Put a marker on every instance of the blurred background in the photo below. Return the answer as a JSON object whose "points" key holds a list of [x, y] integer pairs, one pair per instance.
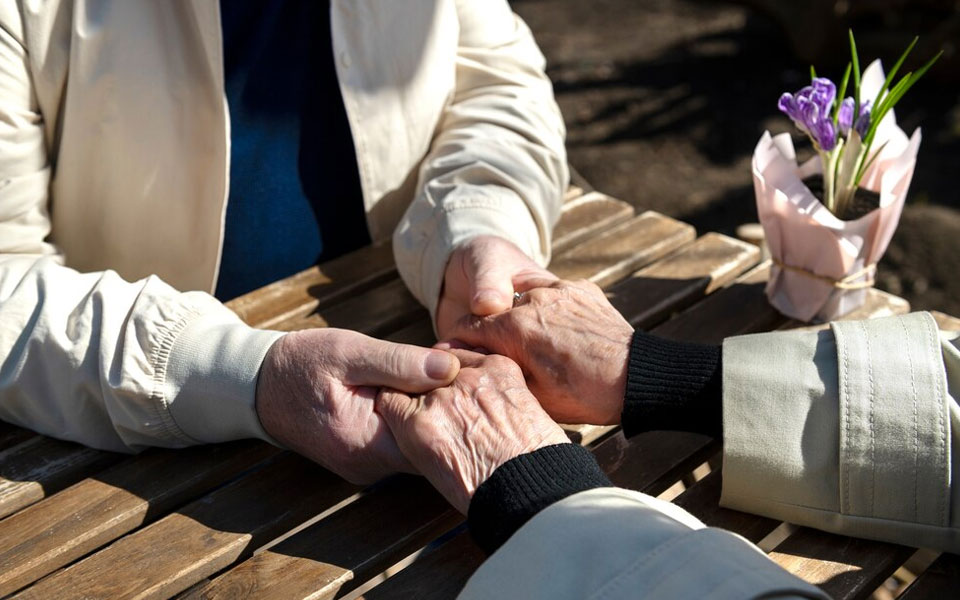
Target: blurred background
{"points": [[665, 100]]}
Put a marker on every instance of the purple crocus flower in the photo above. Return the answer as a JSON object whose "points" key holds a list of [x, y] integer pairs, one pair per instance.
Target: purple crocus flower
{"points": [[845, 118], [810, 110]]}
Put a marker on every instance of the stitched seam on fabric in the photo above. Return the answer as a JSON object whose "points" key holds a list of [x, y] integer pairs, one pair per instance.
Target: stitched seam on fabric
{"points": [[871, 397], [941, 505], [845, 504], [159, 359], [619, 580], [916, 425]]}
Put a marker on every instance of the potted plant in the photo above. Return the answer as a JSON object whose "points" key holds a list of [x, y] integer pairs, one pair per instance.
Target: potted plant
{"points": [[828, 221]]}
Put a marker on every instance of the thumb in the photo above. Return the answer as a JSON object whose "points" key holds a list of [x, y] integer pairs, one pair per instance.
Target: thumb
{"points": [[491, 288], [373, 362]]}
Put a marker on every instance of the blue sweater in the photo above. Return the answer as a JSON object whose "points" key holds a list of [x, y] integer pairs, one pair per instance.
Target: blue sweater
{"points": [[295, 195]]}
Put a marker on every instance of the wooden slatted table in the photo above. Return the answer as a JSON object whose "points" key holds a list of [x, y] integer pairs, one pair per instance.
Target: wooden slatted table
{"points": [[246, 520]]}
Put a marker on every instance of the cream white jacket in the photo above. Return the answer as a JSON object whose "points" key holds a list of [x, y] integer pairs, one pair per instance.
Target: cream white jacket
{"points": [[114, 150]]}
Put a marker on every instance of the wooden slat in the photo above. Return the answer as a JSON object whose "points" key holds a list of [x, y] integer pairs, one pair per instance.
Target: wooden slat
{"points": [[53, 532], [11, 435], [585, 216], [343, 550], [702, 500], [204, 537], [739, 308], [621, 250], [425, 580], [673, 284], [940, 580], [316, 287], [846, 568], [40, 466], [375, 312]]}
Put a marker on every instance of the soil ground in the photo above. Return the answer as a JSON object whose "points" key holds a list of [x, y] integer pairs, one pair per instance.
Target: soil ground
{"points": [[665, 100]]}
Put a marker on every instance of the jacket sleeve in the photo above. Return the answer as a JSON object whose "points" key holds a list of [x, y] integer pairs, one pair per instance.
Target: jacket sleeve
{"points": [[89, 357], [615, 543], [497, 165], [852, 430]]}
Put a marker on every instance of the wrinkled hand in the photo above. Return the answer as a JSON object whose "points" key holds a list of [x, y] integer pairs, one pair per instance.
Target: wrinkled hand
{"points": [[458, 435], [571, 343], [316, 392], [481, 277]]}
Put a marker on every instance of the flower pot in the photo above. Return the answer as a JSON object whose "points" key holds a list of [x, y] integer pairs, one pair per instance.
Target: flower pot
{"points": [[822, 265]]}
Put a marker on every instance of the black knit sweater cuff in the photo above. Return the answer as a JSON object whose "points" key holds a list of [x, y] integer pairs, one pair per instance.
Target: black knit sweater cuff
{"points": [[673, 386], [525, 485]]}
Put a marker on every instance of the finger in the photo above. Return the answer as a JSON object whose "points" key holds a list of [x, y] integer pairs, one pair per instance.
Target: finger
{"points": [[453, 344], [527, 282], [491, 287], [468, 358], [394, 408], [401, 366], [487, 332]]}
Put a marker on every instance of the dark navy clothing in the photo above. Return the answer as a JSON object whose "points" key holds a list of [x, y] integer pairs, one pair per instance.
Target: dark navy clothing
{"points": [[295, 196]]}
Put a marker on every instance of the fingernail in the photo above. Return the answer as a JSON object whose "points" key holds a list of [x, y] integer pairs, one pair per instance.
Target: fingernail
{"points": [[487, 297], [438, 365]]}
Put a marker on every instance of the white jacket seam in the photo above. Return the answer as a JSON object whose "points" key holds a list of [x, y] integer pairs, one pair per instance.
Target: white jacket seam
{"points": [[160, 358]]}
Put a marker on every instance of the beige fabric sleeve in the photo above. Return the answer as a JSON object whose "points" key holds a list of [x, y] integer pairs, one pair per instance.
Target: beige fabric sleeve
{"points": [[90, 357], [613, 543], [498, 163], [851, 430]]}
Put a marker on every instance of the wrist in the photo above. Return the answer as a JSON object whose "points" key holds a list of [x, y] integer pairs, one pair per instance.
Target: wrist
{"points": [[525, 485], [211, 379]]}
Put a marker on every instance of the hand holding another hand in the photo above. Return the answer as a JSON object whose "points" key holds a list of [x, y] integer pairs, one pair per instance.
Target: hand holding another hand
{"points": [[316, 392], [481, 277], [457, 436], [571, 344]]}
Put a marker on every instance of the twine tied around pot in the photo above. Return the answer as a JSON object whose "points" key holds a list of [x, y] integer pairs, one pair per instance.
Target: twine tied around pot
{"points": [[847, 283]]}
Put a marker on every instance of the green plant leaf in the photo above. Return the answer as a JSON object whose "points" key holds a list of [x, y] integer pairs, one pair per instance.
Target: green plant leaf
{"points": [[856, 72], [893, 71], [813, 73]]}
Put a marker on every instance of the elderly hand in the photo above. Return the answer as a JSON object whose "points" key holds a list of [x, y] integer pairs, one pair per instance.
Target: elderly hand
{"points": [[481, 277], [457, 436], [316, 392], [571, 343]]}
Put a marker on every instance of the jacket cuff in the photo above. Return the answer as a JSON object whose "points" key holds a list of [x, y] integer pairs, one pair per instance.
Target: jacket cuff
{"points": [[210, 383], [423, 249], [672, 386], [525, 485]]}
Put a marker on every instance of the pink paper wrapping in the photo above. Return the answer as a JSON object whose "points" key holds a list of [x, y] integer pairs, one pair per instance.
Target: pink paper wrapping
{"points": [[803, 233]]}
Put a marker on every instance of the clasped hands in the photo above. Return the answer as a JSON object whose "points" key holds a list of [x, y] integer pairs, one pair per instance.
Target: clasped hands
{"points": [[365, 408]]}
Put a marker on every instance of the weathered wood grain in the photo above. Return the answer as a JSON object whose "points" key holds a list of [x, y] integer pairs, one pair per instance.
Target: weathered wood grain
{"points": [[621, 250], [40, 466], [940, 580], [375, 312], [204, 537], [702, 500], [343, 550], [316, 287], [585, 216], [844, 567], [61, 528], [674, 283]]}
